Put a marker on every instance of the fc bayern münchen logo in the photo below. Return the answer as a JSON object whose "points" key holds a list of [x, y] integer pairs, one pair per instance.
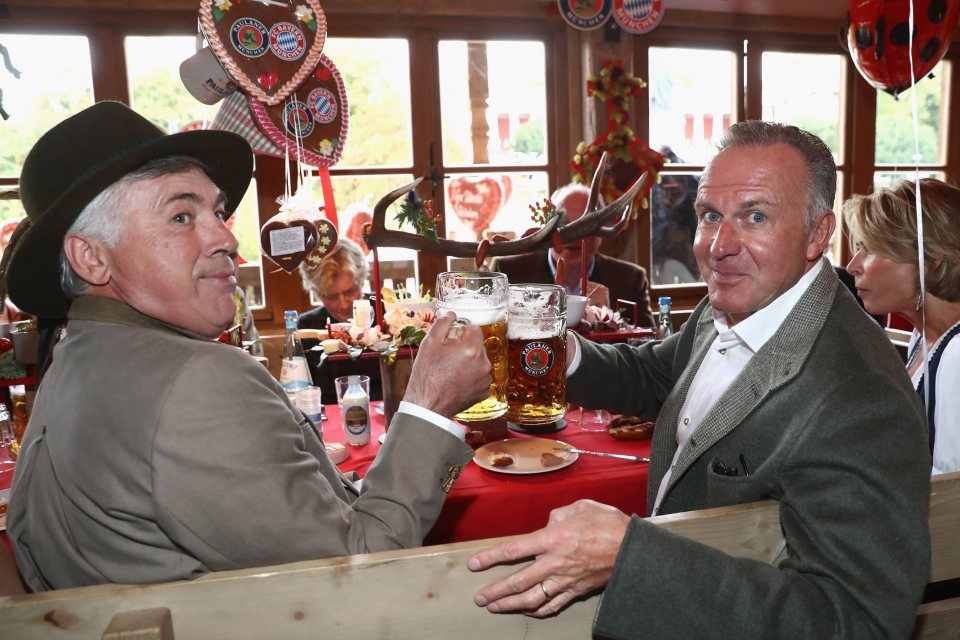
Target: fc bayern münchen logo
{"points": [[585, 14], [323, 105], [638, 16], [536, 358], [297, 118], [249, 37], [287, 41]]}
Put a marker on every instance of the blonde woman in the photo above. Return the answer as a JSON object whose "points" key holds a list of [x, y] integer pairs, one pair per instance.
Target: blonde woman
{"points": [[337, 280], [885, 268]]}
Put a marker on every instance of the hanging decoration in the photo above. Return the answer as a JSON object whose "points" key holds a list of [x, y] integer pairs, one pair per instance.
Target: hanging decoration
{"points": [[585, 15], [879, 39], [630, 156], [234, 115], [476, 200], [268, 48], [297, 232], [638, 16]]}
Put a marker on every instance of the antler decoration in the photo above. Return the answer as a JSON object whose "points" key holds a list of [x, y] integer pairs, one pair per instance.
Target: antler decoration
{"points": [[591, 223]]}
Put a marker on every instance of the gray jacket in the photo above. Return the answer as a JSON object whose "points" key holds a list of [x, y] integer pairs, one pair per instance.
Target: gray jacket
{"points": [[826, 419], [154, 455]]}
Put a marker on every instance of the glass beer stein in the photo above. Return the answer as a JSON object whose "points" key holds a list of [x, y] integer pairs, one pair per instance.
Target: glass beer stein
{"points": [[481, 298], [537, 354]]}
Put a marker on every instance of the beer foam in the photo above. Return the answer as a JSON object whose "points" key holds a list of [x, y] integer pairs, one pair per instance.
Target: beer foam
{"points": [[474, 309], [530, 329]]}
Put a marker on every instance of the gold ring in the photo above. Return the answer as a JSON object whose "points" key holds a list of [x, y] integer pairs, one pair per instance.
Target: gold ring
{"points": [[543, 588]]}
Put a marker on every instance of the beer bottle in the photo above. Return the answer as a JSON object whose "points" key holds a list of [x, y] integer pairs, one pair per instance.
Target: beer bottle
{"points": [[665, 326], [294, 371]]}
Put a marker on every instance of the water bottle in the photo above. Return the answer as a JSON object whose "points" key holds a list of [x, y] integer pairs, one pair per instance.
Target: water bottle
{"points": [[294, 371], [665, 326]]}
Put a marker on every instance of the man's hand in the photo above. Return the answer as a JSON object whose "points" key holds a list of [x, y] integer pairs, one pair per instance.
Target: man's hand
{"points": [[598, 295], [574, 554], [451, 372]]}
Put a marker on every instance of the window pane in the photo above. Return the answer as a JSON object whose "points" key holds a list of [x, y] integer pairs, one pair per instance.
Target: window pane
{"points": [[889, 178], [836, 242], [673, 226], [483, 205], [356, 196], [691, 100], [376, 74], [804, 89], [156, 91], [895, 143], [493, 102], [245, 224], [55, 82]]}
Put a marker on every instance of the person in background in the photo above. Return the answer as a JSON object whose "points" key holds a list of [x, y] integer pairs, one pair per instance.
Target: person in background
{"points": [[609, 279], [885, 267], [155, 453], [338, 280], [777, 387]]}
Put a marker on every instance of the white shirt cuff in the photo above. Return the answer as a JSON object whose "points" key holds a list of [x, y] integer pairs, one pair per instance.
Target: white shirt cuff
{"points": [[434, 418], [573, 361]]}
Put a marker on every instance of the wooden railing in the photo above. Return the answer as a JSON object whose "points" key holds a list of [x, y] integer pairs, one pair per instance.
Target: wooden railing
{"points": [[418, 593]]}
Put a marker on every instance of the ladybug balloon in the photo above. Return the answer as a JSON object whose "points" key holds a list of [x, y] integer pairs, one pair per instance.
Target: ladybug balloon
{"points": [[878, 37]]}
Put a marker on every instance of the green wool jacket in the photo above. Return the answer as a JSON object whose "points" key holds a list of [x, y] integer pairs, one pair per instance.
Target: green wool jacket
{"points": [[826, 418]]}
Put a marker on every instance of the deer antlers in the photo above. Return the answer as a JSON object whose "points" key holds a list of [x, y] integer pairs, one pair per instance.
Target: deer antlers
{"points": [[591, 223]]}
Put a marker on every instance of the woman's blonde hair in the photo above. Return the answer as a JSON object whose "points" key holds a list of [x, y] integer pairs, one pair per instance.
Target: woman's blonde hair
{"points": [[885, 222], [348, 258]]}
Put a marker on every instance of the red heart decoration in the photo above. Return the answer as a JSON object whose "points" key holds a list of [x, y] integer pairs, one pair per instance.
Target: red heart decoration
{"points": [[312, 124], [476, 200], [323, 73], [268, 48], [268, 80], [287, 241]]}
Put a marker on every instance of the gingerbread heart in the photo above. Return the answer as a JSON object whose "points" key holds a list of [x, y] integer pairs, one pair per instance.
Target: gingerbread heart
{"points": [[476, 200], [268, 48], [287, 241], [312, 124], [327, 237]]}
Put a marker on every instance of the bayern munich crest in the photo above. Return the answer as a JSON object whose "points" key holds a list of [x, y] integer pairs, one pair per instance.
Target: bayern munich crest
{"points": [[536, 358], [297, 118], [287, 41], [323, 105], [638, 16], [586, 14], [249, 37]]}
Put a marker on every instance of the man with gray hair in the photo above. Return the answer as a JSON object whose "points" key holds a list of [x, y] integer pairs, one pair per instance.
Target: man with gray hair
{"points": [[777, 387], [155, 453]]}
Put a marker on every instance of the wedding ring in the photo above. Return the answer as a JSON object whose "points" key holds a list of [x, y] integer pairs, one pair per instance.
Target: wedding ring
{"points": [[543, 588], [455, 332]]}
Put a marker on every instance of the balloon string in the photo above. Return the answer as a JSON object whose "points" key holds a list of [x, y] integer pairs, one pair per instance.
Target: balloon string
{"points": [[919, 210]]}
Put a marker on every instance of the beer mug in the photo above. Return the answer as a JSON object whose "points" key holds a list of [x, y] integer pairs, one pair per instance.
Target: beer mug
{"points": [[537, 354], [480, 297]]}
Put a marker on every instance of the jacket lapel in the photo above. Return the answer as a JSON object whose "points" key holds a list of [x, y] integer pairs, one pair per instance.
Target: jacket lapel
{"points": [[777, 362]]}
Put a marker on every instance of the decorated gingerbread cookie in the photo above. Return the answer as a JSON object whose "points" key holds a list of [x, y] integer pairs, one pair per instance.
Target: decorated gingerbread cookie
{"points": [[268, 48]]}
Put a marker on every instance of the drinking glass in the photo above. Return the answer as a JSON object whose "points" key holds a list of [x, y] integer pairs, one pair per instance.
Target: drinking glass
{"points": [[480, 297]]}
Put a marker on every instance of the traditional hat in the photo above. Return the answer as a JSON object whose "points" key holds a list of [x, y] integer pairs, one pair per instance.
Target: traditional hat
{"points": [[80, 157]]}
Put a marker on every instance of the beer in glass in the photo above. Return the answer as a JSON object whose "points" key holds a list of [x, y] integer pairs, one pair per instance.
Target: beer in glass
{"points": [[537, 354], [480, 297]]}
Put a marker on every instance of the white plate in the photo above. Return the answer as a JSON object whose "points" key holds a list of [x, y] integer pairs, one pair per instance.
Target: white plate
{"points": [[526, 454]]}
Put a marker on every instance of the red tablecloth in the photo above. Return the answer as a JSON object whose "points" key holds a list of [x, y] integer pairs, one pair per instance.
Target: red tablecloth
{"points": [[485, 504]]}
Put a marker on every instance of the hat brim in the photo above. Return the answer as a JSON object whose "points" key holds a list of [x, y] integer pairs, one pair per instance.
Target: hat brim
{"points": [[33, 276]]}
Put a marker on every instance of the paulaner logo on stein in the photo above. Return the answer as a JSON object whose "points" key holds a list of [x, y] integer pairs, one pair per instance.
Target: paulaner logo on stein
{"points": [[205, 78]]}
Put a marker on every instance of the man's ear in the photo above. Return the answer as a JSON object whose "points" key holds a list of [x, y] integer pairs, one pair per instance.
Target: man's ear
{"points": [[88, 259], [820, 236]]}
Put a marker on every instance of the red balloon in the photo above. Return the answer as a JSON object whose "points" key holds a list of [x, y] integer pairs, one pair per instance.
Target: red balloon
{"points": [[878, 33]]}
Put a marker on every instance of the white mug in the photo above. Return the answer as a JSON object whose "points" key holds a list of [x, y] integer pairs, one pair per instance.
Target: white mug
{"points": [[205, 78]]}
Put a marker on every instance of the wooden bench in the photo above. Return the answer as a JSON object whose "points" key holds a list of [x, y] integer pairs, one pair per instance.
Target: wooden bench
{"points": [[418, 593]]}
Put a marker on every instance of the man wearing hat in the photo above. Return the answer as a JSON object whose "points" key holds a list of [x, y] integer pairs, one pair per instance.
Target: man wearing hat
{"points": [[153, 452]]}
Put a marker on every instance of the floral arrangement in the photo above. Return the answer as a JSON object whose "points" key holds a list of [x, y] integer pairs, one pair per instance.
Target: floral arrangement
{"points": [[602, 319], [419, 214], [628, 156], [541, 213]]}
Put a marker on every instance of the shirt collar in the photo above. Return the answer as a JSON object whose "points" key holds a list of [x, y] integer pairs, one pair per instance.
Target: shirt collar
{"points": [[757, 328], [553, 270]]}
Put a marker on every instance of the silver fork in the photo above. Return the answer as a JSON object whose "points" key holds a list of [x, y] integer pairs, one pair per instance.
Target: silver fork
{"points": [[621, 456]]}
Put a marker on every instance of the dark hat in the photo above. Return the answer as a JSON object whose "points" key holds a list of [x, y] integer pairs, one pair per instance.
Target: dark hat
{"points": [[80, 157]]}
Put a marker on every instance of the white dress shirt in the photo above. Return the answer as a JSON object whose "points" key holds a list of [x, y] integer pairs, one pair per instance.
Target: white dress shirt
{"points": [[728, 356]]}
